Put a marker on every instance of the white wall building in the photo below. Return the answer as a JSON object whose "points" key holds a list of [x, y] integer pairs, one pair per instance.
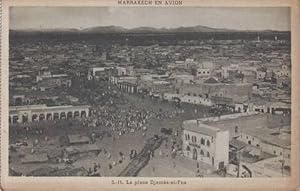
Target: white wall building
{"points": [[187, 99], [205, 143], [203, 72]]}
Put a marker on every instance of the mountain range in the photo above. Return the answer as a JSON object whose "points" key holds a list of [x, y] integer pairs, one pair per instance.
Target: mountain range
{"points": [[118, 29]]}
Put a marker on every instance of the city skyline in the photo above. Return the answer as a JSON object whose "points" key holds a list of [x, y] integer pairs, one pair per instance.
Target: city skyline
{"points": [[22, 18]]}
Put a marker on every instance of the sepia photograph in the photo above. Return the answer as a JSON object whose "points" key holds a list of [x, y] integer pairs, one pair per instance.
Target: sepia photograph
{"points": [[180, 92]]}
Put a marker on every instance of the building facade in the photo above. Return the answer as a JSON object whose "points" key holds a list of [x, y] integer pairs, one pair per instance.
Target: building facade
{"points": [[205, 143], [30, 113]]}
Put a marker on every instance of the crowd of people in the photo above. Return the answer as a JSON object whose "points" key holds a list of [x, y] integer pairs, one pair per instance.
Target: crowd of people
{"points": [[116, 115], [119, 119]]}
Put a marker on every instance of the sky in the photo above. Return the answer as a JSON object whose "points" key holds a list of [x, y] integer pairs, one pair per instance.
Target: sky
{"points": [[158, 17]]}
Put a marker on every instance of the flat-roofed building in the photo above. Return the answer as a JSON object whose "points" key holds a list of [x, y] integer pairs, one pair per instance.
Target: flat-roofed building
{"points": [[213, 89], [265, 132], [205, 143], [29, 113]]}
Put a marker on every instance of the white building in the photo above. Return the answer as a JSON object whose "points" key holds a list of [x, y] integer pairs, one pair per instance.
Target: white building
{"points": [[203, 72], [187, 99], [205, 143], [98, 72], [270, 141]]}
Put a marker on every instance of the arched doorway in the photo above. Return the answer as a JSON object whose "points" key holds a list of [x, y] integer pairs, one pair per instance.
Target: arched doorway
{"points": [[69, 115], [55, 116], [49, 116], [25, 117], [83, 114], [239, 110], [76, 114], [34, 117], [195, 154], [42, 116], [62, 115]]}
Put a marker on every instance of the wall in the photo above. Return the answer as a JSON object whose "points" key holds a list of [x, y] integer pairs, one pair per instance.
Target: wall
{"points": [[198, 146], [188, 99], [253, 140], [222, 148], [239, 92]]}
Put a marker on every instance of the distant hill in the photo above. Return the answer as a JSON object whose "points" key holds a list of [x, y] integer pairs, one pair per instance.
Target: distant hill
{"points": [[118, 29]]}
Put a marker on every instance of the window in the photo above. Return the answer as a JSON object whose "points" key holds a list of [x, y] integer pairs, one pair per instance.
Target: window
{"points": [[202, 141], [195, 94], [289, 156], [208, 155], [247, 137], [252, 138], [201, 152], [188, 148], [195, 139], [188, 94], [280, 153], [274, 152], [188, 136], [208, 143], [236, 129], [212, 139]]}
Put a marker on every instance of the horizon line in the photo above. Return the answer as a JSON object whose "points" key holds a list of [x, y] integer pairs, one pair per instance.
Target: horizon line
{"points": [[158, 28]]}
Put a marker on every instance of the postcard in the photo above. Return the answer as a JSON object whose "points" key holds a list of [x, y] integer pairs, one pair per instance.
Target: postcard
{"points": [[150, 94]]}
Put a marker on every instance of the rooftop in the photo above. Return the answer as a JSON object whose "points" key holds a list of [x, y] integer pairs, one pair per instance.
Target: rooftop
{"points": [[270, 136], [43, 108], [262, 126], [199, 127]]}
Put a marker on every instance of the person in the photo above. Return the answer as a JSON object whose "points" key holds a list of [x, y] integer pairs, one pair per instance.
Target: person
{"points": [[198, 173], [90, 171], [160, 153], [176, 133], [95, 167]]}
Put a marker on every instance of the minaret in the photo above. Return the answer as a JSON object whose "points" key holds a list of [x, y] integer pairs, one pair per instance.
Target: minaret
{"points": [[258, 38]]}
